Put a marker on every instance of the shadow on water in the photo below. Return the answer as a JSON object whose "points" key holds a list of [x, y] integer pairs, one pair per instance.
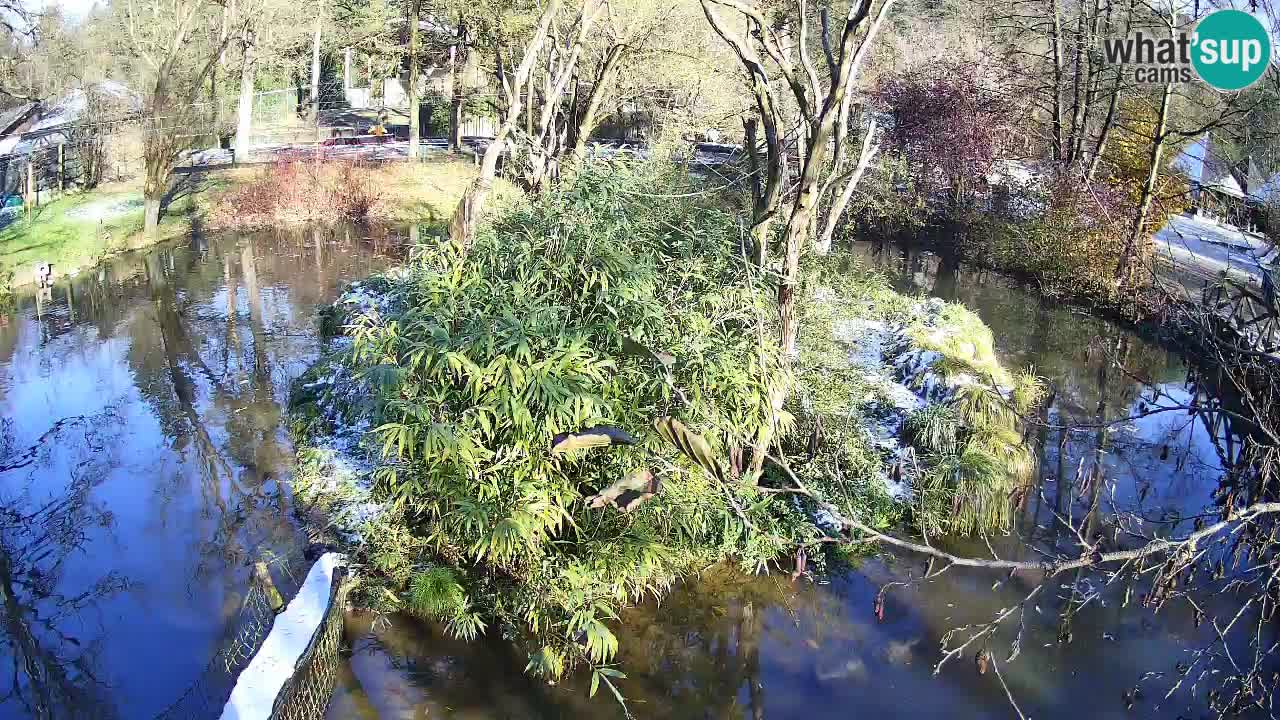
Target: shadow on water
{"points": [[735, 646], [144, 459]]}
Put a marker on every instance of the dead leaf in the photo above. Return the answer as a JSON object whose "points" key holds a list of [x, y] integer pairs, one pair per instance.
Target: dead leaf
{"points": [[692, 445], [636, 349], [628, 493], [598, 436]]}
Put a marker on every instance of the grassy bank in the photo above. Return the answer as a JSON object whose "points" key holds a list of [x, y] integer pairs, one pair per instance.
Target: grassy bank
{"points": [[77, 231], [529, 435]]}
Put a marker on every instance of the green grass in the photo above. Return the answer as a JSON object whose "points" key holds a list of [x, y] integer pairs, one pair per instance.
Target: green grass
{"points": [[80, 229]]}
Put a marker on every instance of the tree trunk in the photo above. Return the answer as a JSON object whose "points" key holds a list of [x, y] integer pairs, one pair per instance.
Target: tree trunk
{"points": [[765, 196], [1077, 104], [587, 123], [455, 102], [462, 228], [1137, 239], [244, 119], [315, 71], [1108, 122], [414, 120], [1056, 45], [1104, 132], [869, 148], [151, 214]]}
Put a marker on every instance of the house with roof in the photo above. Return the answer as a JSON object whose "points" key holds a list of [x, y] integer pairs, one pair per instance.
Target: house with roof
{"points": [[1233, 192], [34, 131]]}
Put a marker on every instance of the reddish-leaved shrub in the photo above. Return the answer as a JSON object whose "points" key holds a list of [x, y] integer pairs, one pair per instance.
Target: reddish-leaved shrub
{"points": [[299, 191]]}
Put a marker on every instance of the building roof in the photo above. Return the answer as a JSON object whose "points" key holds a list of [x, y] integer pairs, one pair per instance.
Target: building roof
{"points": [[1205, 165], [1269, 191], [53, 117], [10, 118]]}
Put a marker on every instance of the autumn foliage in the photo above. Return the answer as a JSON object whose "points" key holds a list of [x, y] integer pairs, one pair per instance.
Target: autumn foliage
{"points": [[297, 192], [947, 123]]}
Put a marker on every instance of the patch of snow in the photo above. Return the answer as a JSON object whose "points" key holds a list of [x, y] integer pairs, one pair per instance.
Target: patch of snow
{"points": [[254, 695], [343, 399], [903, 377], [1203, 246], [106, 209]]}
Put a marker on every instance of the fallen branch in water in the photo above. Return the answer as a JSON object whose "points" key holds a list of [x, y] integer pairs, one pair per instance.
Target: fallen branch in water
{"points": [[1089, 556]]}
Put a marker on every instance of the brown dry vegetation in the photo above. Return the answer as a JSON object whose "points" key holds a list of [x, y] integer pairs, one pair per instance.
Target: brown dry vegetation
{"points": [[303, 191]]}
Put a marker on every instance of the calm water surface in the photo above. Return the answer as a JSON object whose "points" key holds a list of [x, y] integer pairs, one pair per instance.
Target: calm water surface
{"points": [[144, 465], [146, 461], [734, 646]]}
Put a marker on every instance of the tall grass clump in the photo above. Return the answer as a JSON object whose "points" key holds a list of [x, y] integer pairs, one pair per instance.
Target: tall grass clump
{"points": [[975, 462], [517, 430]]}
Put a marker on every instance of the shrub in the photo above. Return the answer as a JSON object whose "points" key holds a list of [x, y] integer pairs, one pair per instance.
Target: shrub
{"points": [[948, 124], [298, 191], [597, 308], [1069, 245]]}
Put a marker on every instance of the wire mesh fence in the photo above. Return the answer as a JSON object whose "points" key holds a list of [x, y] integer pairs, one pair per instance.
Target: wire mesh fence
{"points": [[306, 695]]}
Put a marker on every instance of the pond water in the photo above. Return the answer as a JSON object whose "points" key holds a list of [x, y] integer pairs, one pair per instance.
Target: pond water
{"points": [[730, 645], [144, 465], [145, 460]]}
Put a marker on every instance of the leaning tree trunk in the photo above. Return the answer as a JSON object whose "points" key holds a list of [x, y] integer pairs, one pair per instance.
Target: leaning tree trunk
{"points": [[1129, 258], [462, 229], [244, 119], [586, 125], [869, 148]]}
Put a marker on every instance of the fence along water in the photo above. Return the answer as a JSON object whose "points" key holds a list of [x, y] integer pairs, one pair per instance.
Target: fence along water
{"points": [[297, 685]]}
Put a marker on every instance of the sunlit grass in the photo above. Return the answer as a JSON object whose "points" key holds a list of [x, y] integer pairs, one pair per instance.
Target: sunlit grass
{"points": [[79, 229]]}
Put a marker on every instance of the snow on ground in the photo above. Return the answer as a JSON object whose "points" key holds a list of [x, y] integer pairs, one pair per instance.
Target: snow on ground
{"points": [[345, 472], [254, 695], [1202, 247], [106, 208], [892, 364]]}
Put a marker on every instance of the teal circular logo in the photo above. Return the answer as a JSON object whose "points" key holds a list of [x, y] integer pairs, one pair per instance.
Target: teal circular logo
{"points": [[1231, 49]]}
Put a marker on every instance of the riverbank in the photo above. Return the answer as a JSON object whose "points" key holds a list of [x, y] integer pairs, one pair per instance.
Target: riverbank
{"points": [[288, 193], [81, 229]]}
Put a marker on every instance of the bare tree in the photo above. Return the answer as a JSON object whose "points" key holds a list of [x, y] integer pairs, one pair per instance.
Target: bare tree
{"points": [[178, 45], [462, 228], [824, 101]]}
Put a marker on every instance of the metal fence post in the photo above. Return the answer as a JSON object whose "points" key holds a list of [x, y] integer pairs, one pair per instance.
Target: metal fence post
{"points": [[62, 167]]}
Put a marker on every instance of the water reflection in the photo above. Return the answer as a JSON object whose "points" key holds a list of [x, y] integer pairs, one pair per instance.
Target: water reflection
{"points": [[732, 646], [143, 460]]}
